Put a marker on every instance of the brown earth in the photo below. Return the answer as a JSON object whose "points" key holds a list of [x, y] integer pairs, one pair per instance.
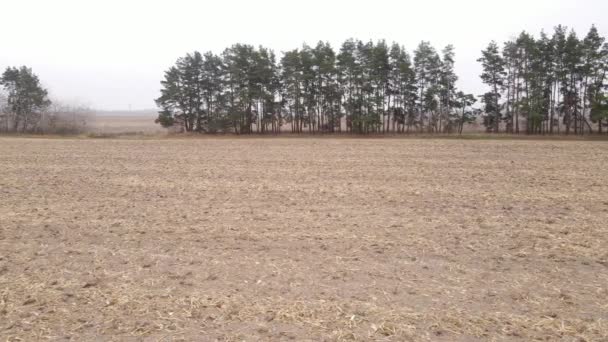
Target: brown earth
{"points": [[303, 239]]}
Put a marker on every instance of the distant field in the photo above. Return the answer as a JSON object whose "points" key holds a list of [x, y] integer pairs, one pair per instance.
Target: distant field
{"points": [[125, 124], [143, 122], [303, 239]]}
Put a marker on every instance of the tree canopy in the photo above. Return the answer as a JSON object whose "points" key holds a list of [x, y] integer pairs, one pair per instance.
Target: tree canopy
{"points": [[547, 84], [537, 85], [364, 87], [26, 99]]}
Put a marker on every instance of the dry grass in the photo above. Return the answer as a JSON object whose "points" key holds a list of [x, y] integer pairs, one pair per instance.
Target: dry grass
{"points": [[303, 239], [112, 125]]}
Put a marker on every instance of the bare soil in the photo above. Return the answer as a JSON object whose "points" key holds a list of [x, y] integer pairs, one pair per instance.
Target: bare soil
{"points": [[303, 239]]}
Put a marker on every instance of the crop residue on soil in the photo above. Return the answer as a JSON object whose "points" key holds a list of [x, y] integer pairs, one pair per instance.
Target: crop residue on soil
{"points": [[304, 239]]}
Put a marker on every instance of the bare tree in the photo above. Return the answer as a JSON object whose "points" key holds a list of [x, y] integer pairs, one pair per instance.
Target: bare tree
{"points": [[61, 118]]}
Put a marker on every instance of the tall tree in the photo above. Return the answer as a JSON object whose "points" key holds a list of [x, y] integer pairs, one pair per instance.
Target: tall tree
{"points": [[598, 91], [241, 87], [291, 75], [512, 60], [447, 92], [26, 98], [426, 66], [493, 75], [401, 89], [181, 97], [592, 72], [466, 113], [212, 87], [349, 76], [570, 90]]}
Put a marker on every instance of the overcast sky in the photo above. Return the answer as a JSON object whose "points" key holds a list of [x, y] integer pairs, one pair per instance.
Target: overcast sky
{"points": [[111, 54]]}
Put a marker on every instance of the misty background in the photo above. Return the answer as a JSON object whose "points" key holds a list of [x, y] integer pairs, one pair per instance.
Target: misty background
{"points": [[111, 55]]}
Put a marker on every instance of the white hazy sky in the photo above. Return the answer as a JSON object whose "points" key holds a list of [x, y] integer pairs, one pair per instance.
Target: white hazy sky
{"points": [[111, 54]]}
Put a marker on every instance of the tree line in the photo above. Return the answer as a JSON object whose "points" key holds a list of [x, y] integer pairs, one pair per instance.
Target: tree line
{"points": [[25, 106], [365, 87], [550, 84], [537, 85]]}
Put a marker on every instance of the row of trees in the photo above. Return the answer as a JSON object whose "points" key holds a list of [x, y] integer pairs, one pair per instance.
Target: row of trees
{"points": [[549, 84], [545, 84], [26, 107], [365, 87]]}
